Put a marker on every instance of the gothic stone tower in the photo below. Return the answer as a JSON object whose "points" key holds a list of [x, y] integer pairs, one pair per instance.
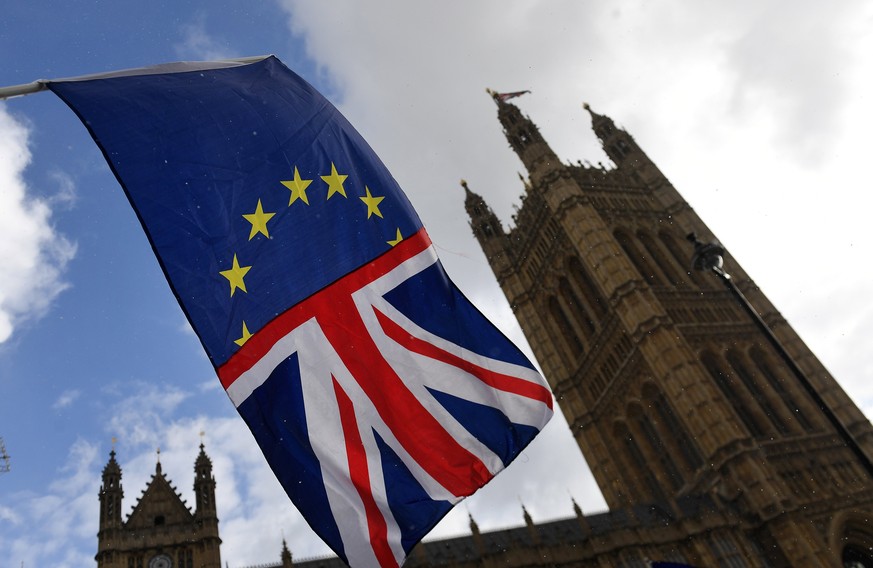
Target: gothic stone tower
{"points": [[671, 390], [160, 532]]}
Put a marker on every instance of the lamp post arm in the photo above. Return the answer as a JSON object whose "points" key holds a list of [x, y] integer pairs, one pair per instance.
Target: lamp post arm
{"points": [[705, 257]]}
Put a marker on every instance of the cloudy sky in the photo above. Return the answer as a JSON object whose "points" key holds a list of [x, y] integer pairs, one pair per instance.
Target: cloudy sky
{"points": [[758, 112]]}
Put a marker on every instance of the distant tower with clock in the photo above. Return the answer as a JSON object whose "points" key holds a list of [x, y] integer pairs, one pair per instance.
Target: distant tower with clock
{"points": [[161, 531]]}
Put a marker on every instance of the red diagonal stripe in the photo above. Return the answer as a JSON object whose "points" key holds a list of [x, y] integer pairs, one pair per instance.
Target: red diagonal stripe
{"points": [[264, 339], [418, 431], [499, 381], [359, 472]]}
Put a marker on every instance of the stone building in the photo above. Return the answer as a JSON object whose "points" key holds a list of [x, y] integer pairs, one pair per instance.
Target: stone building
{"points": [[161, 531], [725, 426], [716, 436]]}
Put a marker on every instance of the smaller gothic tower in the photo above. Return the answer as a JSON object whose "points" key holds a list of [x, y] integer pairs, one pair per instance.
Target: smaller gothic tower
{"points": [[287, 560], [111, 494], [204, 492], [204, 487], [524, 137], [487, 228]]}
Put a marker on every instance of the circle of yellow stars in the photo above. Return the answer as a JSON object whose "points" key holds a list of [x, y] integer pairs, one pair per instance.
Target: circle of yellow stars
{"points": [[298, 187]]}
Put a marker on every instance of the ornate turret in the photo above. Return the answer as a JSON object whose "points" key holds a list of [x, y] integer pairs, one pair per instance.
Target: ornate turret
{"points": [[204, 486], [524, 137], [624, 151], [111, 494], [486, 227]]}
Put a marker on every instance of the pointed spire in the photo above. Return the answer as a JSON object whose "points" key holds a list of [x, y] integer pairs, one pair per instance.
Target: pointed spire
{"points": [[525, 139], [474, 527], [487, 229], [111, 494], [111, 467], [527, 518], [476, 534], [525, 181], [602, 125], [583, 521], [531, 527], [621, 147], [595, 116], [203, 462], [158, 470], [467, 191], [484, 222], [204, 485], [287, 560]]}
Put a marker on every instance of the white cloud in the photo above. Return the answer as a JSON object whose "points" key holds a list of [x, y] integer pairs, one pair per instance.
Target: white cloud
{"points": [[34, 254], [64, 514], [9, 515], [67, 398], [65, 196], [198, 44], [138, 418]]}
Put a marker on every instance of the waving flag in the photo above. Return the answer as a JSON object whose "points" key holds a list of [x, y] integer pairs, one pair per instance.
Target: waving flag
{"points": [[379, 395], [506, 96]]}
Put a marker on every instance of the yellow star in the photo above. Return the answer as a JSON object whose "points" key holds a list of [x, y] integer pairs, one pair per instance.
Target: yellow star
{"points": [[372, 204], [235, 276], [298, 188], [397, 240], [258, 219], [245, 336], [334, 182]]}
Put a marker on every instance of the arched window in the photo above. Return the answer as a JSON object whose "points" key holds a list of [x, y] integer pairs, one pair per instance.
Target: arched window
{"points": [[639, 463], [797, 405], [642, 263], [855, 538], [758, 391], [671, 429], [682, 256], [738, 398], [855, 557], [660, 260], [590, 294], [576, 307], [658, 455], [565, 331]]}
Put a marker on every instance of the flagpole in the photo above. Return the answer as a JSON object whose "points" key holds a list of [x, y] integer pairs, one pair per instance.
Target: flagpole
{"points": [[42, 84], [21, 90]]}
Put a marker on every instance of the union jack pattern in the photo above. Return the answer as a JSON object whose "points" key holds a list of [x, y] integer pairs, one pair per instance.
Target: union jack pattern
{"points": [[372, 380], [378, 394]]}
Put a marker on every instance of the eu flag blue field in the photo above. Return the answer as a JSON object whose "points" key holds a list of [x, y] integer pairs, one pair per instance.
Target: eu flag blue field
{"points": [[379, 395]]}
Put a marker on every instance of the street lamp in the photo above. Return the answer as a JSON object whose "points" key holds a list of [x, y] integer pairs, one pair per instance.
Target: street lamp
{"points": [[710, 256]]}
